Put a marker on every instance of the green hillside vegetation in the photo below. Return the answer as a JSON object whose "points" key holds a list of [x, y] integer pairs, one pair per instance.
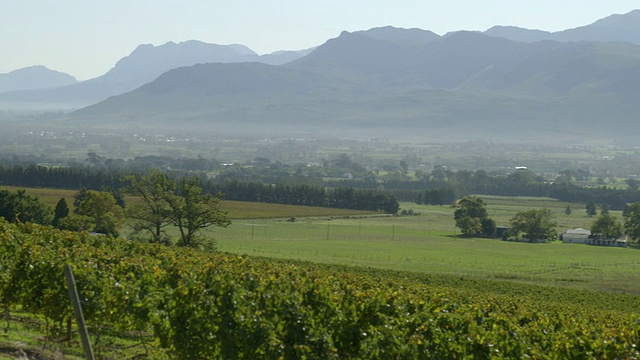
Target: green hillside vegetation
{"points": [[192, 305]]}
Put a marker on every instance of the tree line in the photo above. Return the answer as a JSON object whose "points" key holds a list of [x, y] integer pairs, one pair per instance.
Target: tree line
{"points": [[73, 178], [443, 187], [247, 190], [436, 188], [307, 195]]}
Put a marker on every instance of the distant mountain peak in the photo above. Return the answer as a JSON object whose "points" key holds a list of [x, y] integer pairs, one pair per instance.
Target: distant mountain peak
{"points": [[32, 67], [464, 33], [35, 69], [402, 36], [32, 78], [144, 64], [147, 61]]}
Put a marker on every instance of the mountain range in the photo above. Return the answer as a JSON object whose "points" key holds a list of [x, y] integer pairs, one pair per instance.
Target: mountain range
{"points": [[143, 65], [504, 84]]}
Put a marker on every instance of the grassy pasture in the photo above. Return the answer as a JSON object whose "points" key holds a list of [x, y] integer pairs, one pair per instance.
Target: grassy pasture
{"points": [[430, 243], [252, 210], [502, 209], [427, 242], [388, 244]]}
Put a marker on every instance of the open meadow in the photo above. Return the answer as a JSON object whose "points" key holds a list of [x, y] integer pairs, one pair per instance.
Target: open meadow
{"points": [[429, 242], [426, 242]]}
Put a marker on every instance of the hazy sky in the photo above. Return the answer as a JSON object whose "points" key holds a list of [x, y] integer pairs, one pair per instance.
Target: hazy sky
{"points": [[85, 38]]}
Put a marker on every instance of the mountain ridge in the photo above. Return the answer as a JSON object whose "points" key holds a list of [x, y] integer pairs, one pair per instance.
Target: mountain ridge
{"points": [[145, 63], [34, 77], [613, 28], [466, 82], [402, 82]]}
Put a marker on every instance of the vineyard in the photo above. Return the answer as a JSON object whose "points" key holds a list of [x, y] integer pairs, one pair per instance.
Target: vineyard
{"points": [[192, 305]]}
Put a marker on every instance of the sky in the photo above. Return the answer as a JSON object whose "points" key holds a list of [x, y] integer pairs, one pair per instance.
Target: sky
{"points": [[85, 38]]}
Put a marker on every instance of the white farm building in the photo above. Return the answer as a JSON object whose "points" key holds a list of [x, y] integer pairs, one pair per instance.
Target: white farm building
{"points": [[583, 236]]}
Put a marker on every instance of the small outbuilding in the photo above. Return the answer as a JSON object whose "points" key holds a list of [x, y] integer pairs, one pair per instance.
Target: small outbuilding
{"points": [[621, 242]]}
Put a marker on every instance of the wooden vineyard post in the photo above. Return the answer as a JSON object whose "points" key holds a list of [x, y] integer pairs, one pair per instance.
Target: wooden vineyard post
{"points": [[77, 310]]}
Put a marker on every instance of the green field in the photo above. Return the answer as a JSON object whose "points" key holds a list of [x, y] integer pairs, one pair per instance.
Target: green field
{"points": [[444, 284], [427, 242]]}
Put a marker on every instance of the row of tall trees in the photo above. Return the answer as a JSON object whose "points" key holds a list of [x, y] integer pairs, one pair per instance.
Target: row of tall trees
{"points": [[61, 177], [297, 193], [439, 188], [443, 187], [303, 194]]}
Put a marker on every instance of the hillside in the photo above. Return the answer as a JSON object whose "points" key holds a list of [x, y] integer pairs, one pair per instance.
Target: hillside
{"points": [[394, 83], [34, 77]]}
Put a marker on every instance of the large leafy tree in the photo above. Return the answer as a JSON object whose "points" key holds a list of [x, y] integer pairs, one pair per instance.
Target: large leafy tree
{"points": [[471, 216], [151, 214], [606, 227], [469, 225], [192, 211], [102, 207], [632, 221], [535, 224], [18, 206]]}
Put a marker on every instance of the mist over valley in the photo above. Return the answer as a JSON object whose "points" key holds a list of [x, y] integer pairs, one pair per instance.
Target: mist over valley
{"points": [[506, 85]]}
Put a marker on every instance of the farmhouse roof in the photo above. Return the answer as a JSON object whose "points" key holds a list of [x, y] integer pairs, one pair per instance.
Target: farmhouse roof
{"points": [[578, 231]]}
